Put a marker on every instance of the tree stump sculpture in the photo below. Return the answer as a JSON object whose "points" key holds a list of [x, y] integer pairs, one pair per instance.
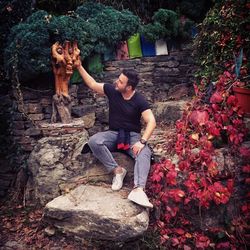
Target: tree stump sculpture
{"points": [[63, 60]]}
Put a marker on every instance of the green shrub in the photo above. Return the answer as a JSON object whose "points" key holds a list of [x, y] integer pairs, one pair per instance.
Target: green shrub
{"points": [[166, 25], [29, 43], [113, 25], [168, 19], [89, 10]]}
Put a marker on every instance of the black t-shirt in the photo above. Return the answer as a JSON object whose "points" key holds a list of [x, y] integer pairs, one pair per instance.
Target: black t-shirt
{"points": [[125, 114]]}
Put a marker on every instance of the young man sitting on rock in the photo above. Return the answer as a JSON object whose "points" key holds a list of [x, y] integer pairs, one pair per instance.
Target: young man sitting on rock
{"points": [[126, 107]]}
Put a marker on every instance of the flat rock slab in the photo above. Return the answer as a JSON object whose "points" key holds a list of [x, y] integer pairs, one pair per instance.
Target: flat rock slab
{"points": [[97, 212]]}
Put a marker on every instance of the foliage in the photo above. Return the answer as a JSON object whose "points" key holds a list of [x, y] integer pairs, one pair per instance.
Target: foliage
{"points": [[27, 40], [89, 10], [196, 182], [195, 10], [31, 40], [168, 19], [184, 31], [11, 12], [153, 31], [114, 26], [70, 28], [166, 25], [224, 31]]}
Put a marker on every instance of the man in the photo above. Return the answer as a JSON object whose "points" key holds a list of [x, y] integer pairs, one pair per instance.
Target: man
{"points": [[126, 107]]}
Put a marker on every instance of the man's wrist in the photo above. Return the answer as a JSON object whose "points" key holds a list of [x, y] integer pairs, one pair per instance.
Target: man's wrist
{"points": [[143, 141], [78, 67]]}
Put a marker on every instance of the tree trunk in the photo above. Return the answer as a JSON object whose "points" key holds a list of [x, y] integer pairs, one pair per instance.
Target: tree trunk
{"points": [[61, 105]]}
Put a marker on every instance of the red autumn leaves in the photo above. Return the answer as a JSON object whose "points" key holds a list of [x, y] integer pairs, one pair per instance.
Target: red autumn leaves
{"points": [[194, 180]]}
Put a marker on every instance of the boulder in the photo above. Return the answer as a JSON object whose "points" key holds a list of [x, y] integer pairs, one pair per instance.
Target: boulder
{"points": [[97, 212], [52, 162], [56, 164]]}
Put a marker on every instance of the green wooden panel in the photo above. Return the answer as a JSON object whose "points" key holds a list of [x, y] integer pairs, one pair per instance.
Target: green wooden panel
{"points": [[134, 46]]}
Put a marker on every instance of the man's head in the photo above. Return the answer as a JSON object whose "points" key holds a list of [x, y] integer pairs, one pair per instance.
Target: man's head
{"points": [[127, 80], [132, 76]]}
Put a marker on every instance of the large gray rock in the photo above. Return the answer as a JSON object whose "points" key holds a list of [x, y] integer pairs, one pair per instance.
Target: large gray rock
{"points": [[97, 212], [56, 164], [53, 161]]}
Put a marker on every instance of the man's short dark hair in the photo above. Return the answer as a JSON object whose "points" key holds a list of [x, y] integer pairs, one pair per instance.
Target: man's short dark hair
{"points": [[132, 76]]}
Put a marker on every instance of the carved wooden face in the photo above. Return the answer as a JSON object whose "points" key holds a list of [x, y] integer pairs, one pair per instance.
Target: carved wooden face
{"points": [[64, 56]]}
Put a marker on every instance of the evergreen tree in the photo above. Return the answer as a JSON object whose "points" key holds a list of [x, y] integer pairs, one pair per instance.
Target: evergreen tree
{"points": [[29, 42]]}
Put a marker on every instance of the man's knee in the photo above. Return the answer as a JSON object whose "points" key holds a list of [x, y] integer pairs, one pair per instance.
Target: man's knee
{"points": [[147, 151], [145, 154], [93, 141]]}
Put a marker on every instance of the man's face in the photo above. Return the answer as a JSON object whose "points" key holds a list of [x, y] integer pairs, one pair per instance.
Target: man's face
{"points": [[121, 83]]}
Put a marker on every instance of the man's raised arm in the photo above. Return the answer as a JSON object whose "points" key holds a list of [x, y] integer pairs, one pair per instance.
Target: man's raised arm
{"points": [[90, 81]]}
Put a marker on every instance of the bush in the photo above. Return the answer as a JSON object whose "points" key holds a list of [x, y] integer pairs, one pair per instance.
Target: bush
{"points": [[11, 12], [223, 33], [89, 10], [166, 25], [29, 43], [114, 26]]}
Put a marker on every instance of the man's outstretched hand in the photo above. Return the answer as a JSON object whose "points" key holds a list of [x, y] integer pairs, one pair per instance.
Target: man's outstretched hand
{"points": [[76, 56], [77, 63]]}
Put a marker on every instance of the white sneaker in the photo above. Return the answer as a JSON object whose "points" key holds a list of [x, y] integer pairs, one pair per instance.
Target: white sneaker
{"points": [[138, 196], [118, 180]]}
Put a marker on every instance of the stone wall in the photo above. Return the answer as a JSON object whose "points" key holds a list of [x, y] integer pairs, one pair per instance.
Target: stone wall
{"points": [[157, 74], [159, 77], [6, 173]]}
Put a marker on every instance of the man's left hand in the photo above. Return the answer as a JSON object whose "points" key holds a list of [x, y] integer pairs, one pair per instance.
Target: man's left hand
{"points": [[137, 147]]}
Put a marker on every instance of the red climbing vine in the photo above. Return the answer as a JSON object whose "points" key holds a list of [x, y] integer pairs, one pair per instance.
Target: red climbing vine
{"points": [[197, 182]]}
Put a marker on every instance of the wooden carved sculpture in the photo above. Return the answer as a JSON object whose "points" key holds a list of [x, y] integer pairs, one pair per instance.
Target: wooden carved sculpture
{"points": [[64, 58]]}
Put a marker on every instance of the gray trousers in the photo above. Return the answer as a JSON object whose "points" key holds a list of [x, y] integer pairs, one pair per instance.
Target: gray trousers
{"points": [[103, 143]]}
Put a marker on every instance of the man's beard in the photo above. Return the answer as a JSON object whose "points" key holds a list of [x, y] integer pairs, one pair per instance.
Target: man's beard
{"points": [[122, 91]]}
